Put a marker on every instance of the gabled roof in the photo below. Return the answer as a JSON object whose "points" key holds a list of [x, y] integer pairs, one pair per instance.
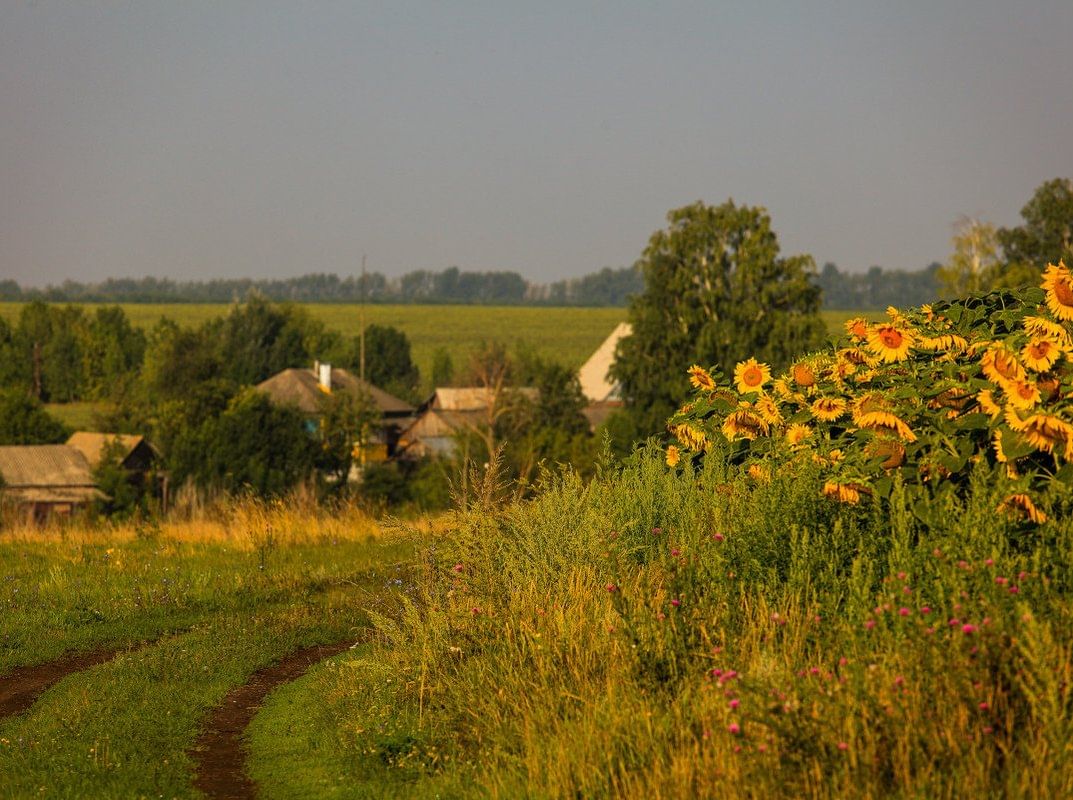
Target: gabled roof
{"points": [[471, 398], [94, 445], [53, 466], [301, 388], [595, 384]]}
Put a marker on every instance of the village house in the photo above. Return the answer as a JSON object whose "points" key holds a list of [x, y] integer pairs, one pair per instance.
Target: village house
{"points": [[603, 394], [42, 481], [451, 411], [305, 389]]}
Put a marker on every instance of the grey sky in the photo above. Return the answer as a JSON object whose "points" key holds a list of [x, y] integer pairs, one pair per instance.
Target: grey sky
{"points": [[226, 139]]}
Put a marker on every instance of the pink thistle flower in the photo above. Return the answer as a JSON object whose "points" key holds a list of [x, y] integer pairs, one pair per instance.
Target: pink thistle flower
{"points": [[906, 590], [937, 552], [734, 728], [737, 748], [716, 672], [657, 531], [901, 576], [1001, 581], [843, 746], [985, 621], [1022, 575], [990, 562], [963, 565], [458, 568], [899, 681], [761, 748], [984, 706], [903, 611], [954, 621], [735, 703], [843, 661], [925, 610], [475, 610], [929, 631], [1014, 590], [612, 588], [718, 537], [675, 552], [988, 730], [968, 629], [676, 602], [815, 671], [869, 624]]}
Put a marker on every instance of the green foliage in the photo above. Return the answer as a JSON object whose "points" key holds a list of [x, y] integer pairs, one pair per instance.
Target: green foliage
{"points": [[974, 266], [716, 290], [23, 420], [1045, 237], [443, 368], [252, 445], [344, 425]]}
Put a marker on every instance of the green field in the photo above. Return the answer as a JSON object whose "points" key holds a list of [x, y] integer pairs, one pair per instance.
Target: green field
{"points": [[567, 335]]}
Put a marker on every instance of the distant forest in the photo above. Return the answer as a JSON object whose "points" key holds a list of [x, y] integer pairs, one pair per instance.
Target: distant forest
{"points": [[876, 288]]}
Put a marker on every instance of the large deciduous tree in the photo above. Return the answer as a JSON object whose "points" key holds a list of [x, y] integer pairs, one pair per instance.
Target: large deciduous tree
{"points": [[716, 292], [1046, 237]]}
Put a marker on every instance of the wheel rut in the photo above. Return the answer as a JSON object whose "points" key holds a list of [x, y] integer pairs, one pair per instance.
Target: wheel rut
{"points": [[219, 754], [20, 688]]}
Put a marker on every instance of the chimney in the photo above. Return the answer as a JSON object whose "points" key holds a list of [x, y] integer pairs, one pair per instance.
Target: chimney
{"points": [[325, 375]]}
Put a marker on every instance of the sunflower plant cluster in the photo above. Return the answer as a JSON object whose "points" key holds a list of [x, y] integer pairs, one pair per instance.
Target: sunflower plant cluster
{"points": [[930, 394]]}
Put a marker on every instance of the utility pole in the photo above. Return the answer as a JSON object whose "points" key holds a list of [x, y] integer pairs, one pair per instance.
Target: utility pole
{"points": [[361, 356]]}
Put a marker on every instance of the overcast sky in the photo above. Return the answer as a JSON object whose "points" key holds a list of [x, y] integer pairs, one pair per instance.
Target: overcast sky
{"points": [[261, 139]]}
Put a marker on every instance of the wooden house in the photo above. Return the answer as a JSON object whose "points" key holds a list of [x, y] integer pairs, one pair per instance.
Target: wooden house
{"points": [[46, 480], [305, 389]]}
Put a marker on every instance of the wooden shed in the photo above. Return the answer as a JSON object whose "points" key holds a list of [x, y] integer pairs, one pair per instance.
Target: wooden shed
{"points": [[46, 480]]}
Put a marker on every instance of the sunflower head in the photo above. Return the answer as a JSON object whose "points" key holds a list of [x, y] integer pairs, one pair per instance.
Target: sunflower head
{"points": [[673, 456], [842, 492], [890, 342], [797, 433], [1021, 505], [803, 375], [857, 328], [1040, 354], [1000, 366], [1023, 394], [744, 423], [1058, 284], [701, 378], [828, 409], [751, 375]]}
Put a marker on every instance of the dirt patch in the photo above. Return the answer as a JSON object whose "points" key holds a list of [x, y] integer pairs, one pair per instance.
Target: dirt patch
{"points": [[21, 688], [220, 754]]}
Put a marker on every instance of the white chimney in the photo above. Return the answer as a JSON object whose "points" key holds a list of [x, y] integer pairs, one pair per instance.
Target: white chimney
{"points": [[325, 375]]}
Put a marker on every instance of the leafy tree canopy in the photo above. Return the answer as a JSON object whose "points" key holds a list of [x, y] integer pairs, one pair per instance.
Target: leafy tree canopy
{"points": [[23, 420], [716, 292], [1046, 237]]}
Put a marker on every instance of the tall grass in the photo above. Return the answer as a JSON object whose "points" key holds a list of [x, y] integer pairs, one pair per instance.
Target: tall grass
{"points": [[710, 635]]}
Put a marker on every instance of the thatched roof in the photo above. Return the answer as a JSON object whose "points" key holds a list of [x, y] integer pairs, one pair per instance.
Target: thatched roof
{"points": [[472, 398], [301, 388], [50, 473], [595, 384], [94, 445]]}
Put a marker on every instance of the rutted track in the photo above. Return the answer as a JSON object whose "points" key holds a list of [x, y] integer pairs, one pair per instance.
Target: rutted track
{"points": [[20, 688], [219, 755]]}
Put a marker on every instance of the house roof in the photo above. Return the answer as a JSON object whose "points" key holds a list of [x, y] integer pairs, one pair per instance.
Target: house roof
{"points": [[94, 445], [595, 384], [49, 466], [301, 388], [471, 398]]}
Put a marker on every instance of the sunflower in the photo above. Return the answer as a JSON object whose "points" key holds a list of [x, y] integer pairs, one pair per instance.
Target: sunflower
{"points": [[759, 473], [996, 441], [987, 404], [1021, 505], [691, 437], [828, 409], [1023, 394], [885, 422], [948, 342], [842, 492], [890, 450], [890, 342], [1058, 284], [1046, 329], [1041, 354], [803, 375], [768, 410], [797, 432], [1045, 432], [701, 378], [857, 328], [750, 376], [673, 456], [744, 424], [1002, 367]]}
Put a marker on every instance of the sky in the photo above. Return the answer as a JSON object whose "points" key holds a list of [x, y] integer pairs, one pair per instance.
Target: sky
{"points": [[265, 139]]}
